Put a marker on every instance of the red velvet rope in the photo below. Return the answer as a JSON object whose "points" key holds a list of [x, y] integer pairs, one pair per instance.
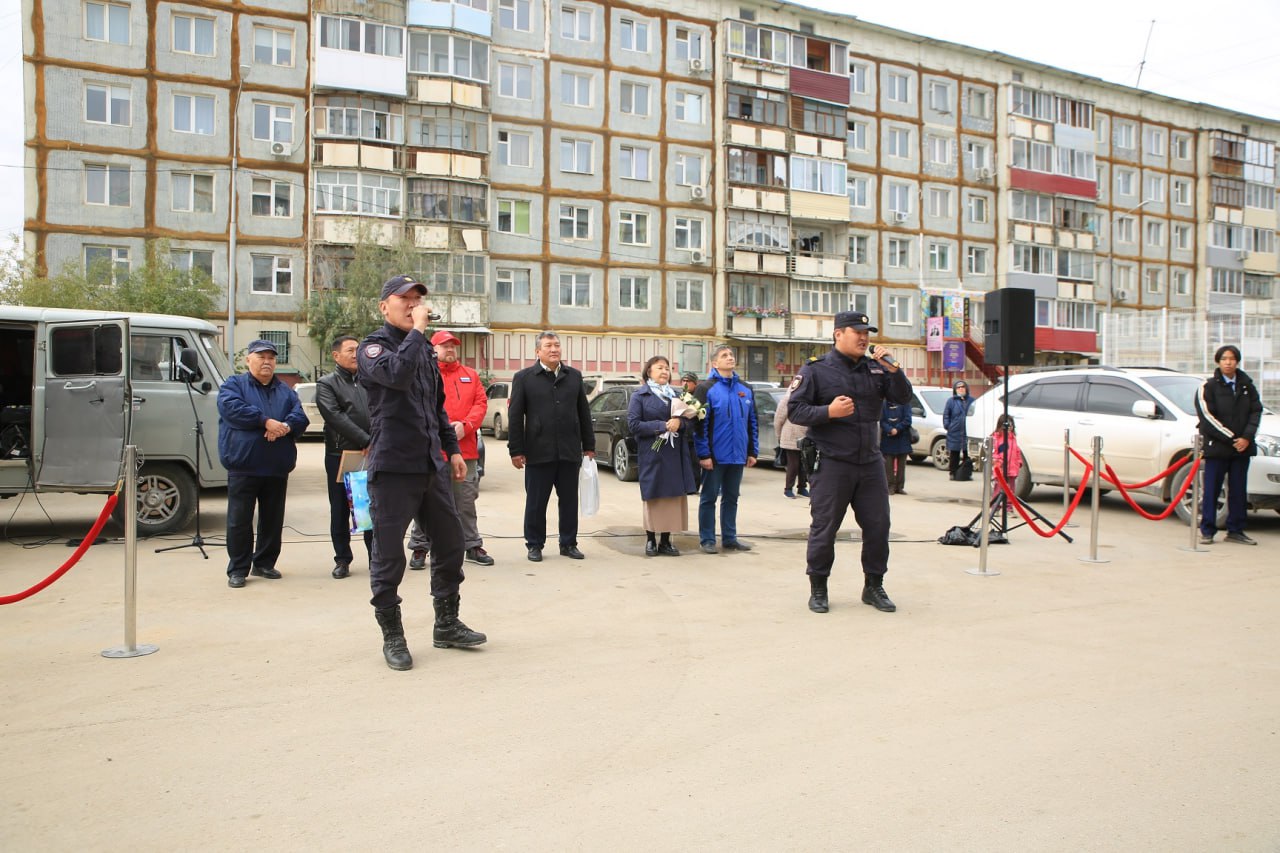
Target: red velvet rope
{"points": [[1013, 500], [74, 558], [1110, 476], [1186, 484]]}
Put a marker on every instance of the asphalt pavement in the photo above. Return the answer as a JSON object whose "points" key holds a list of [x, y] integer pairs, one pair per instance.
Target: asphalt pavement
{"points": [[634, 703]]}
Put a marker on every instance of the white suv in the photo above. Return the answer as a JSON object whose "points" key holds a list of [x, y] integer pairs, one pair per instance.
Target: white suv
{"points": [[1145, 416]]}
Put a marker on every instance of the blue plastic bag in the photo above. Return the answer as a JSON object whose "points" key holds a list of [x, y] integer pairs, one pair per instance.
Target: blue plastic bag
{"points": [[357, 483]]}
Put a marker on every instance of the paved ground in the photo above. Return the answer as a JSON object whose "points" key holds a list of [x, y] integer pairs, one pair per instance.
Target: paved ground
{"points": [[638, 704]]}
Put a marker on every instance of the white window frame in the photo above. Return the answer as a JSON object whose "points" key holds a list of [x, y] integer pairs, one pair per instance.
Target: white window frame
{"points": [[111, 97], [690, 295], [117, 255], [509, 208], [110, 27], [275, 35], [576, 89], [505, 150], [1181, 236], [816, 175], [633, 228], [690, 233], [979, 103], [578, 218], [580, 287], [1124, 135], [1155, 141], [859, 191], [690, 106], [859, 248], [978, 260], [635, 163], [899, 310], [688, 43], [515, 80], [633, 292], [856, 135], [274, 191], [940, 96], [899, 197], [1181, 191], [103, 183], [573, 152], [1180, 284], [1125, 229], [683, 169], [1153, 280], [192, 179], [940, 202], [576, 22], [1155, 233], [940, 150], [977, 208], [1181, 146], [192, 113], [1125, 179], [940, 257], [192, 25], [185, 260], [281, 273], [897, 87], [367, 34], [898, 142], [515, 15], [634, 98], [897, 253], [509, 285], [279, 121], [1154, 189], [633, 34], [977, 155]]}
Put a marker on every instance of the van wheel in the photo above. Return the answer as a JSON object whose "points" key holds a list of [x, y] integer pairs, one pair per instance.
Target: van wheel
{"points": [[166, 499], [940, 455], [498, 431]]}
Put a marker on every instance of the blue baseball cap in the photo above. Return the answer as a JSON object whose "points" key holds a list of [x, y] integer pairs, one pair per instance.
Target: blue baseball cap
{"points": [[260, 345]]}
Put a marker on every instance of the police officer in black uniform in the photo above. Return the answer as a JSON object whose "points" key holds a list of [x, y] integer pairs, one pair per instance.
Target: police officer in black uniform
{"points": [[409, 477], [839, 397]]}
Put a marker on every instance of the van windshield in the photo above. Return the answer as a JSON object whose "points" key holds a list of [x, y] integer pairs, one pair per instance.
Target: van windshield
{"points": [[214, 351]]}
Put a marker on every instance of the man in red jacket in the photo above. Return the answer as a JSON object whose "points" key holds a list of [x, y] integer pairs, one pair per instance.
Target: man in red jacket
{"points": [[465, 403]]}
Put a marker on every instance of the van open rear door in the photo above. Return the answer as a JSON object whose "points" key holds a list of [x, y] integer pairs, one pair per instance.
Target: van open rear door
{"points": [[87, 404]]}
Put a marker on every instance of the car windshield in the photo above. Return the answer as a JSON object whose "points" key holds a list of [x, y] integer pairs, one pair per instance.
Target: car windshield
{"points": [[1180, 389], [937, 400]]}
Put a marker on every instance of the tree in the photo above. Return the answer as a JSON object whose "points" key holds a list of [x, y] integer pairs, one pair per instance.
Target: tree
{"points": [[156, 287]]}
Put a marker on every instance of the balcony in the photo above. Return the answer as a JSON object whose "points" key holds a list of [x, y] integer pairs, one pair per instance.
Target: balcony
{"points": [[755, 326], [461, 312], [449, 16], [817, 266]]}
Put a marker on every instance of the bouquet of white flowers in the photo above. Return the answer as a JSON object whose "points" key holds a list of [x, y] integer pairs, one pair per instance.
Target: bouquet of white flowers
{"points": [[684, 406]]}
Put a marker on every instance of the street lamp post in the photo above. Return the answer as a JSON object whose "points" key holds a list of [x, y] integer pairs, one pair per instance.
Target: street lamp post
{"points": [[233, 218]]}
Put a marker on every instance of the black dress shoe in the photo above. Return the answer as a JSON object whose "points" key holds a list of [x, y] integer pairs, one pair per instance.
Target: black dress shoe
{"points": [[340, 571], [878, 598], [668, 550], [535, 555], [235, 581], [735, 545], [572, 552], [651, 549], [266, 572]]}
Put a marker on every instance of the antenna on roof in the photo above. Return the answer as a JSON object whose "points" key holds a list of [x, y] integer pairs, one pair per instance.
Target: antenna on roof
{"points": [[1138, 83]]}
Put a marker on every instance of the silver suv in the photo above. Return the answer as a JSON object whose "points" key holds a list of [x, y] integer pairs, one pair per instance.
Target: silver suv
{"points": [[1145, 416]]}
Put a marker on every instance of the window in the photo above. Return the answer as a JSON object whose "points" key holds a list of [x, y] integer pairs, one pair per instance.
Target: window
{"points": [[575, 89], [633, 228], [272, 46], [576, 155], [688, 44], [899, 252], [450, 55], [977, 260], [1155, 188], [190, 192], [575, 289], [900, 198], [899, 310], [1227, 281], [858, 249], [107, 104], [106, 22], [689, 107], [634, 35], [190, 260], [689, 233], [1155, 233], [758, 105], [273, 122], [897, 88], [1124, 136], [514, 15], [823, 119], [819, 176], [1030, 207], [690, 294], [1260, 240], [899, 142], [1226, 236], [104, 184], [575, 222], [1076, 315], [689, 169], [1260, 196], [633, 292], [939, 202], [1181, 146], [813, 297], [366, 118], [511, 286], [1181, 236], [1074, 113], [857, 136], [762, 168], [979, 103], [1155, 141], [977, 207], [1124, 181], [575, 23], [1181, 282], [977, 155], [113, 261], [634, 162], [515, 81], [1075, 264], [193, 35], [1076, 163], [380, 195], [513, 216], [635, 98], [858, 72], [1124, 229], [1121, 278], [939, 257], [1155, 280], [514, 149], [193, 114], [272, 198], [759, 43], [939, 150], [1033, 259], [361, 36], [357, 192], [1036, 156], [272, 274], [1181, 191], [456, 201], [859, 195], [1032, 103], [939, 96], [755, 230]]}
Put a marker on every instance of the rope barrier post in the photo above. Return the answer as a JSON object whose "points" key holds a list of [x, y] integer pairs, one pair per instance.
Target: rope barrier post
{"points": [[1196, 485], [985, 536], [1066, 477], [1095, 502], [130, 649]]}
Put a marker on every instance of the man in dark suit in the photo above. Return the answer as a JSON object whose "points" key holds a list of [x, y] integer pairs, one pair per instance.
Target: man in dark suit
{"points": [[550, 434]]}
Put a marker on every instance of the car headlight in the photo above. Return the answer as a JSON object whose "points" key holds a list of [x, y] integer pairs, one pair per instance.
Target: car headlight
{"points": [[1268, 445]]}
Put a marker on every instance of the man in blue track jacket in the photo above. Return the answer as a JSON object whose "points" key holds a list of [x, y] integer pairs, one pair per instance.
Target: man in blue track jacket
{"points": [[727, 444]]}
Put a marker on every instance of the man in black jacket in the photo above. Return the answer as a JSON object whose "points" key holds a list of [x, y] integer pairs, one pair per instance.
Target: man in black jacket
{"points": [[1230, 412], [345, 409], [550, 434]]}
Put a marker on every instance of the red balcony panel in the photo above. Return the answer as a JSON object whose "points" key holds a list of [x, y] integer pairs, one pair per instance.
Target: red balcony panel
{"points": [[1066, 340], [821, 86], [1025, 179]]}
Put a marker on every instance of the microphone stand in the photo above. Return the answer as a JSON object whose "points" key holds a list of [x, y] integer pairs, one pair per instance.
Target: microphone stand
{"points": [[191, 374]]}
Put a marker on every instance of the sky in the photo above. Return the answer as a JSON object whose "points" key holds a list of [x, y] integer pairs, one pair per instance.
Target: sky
{"points": [[1229, 59]]}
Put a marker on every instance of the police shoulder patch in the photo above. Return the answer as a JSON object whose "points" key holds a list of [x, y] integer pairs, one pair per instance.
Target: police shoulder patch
{"points": [[795, 383], [373, 350]]}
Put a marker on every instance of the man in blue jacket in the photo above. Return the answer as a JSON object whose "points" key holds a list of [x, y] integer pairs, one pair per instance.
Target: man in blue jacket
{"points": [[259, 419], [727, 444]]}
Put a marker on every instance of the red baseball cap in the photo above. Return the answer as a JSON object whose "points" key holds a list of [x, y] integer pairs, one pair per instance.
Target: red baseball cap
{"points": [[444, 336]]}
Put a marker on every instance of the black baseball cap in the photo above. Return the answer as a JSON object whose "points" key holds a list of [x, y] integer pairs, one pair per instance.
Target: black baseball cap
{"points": [[402, 284], [855, 320]]}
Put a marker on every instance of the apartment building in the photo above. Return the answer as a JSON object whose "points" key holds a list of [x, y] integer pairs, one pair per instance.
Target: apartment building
{"points": [[651, 178]]}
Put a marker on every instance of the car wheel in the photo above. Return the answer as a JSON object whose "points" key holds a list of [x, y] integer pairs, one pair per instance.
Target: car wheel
{"points": [[940, 455], [1022, 484], [623, 467], [498, 431], [1185, 509], [166, 499]]}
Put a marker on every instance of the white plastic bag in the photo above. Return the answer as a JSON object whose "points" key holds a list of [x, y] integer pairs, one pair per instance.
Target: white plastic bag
{"points": [[589, 488]]}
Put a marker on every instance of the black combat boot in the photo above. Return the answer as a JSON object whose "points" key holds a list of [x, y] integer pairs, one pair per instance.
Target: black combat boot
{"points": [[449, 630], [873, 593], [818, 593], [394, 648]]}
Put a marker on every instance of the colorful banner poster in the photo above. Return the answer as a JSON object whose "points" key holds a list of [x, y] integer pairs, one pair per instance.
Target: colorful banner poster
{"points": [[933, 334], [953, 355]]}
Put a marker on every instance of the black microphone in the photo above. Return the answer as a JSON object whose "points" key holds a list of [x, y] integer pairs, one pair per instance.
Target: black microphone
{"points": [[888, 359], [433, 316]]}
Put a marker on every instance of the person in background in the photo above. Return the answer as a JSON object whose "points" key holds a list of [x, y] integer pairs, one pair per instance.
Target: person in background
{"points": [[665, 476], [345, 409], [895, 444], [1004, 451], [465, 404], [953, 415], [259, 420], [728, 443], [1230, 413], [788, 435], [688, 382]]}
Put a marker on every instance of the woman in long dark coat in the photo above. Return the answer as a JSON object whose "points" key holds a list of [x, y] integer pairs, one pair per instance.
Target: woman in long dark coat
{"points": [[665, 476]]}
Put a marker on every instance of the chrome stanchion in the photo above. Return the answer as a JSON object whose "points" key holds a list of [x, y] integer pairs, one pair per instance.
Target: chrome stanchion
{"points": [[1094, 503], [985, 535], [130, 649], [1066, 476], [1196, 495]]}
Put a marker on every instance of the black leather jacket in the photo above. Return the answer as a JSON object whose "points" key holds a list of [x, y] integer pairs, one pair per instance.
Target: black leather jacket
{"points": [[345, 409]]}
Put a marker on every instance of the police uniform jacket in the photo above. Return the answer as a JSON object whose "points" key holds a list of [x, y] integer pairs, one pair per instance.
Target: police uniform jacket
{"points": [[550, 418], [244, 407], [854, 438], [409, 430], [345, 409], [1226, 415]]}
